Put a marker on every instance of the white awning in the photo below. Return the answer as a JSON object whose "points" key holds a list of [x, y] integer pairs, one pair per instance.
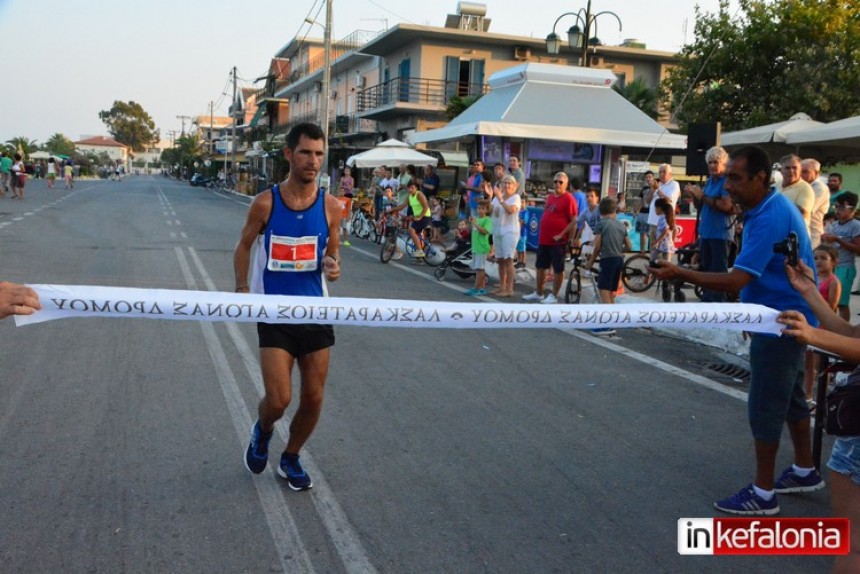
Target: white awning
{"points": [[778, 132], [561, 103], [845, 132]]}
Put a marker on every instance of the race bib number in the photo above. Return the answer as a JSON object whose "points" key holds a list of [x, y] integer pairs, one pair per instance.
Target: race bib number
{"points": [[293, 253]]}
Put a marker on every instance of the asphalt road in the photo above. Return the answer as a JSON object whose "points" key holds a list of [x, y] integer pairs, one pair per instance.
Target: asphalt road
{"points": [[121, 440]]}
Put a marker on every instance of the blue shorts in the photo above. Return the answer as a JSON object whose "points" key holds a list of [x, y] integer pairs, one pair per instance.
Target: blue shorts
{"points": [[610, 273], [845, 458], [846, 275], [776, 392]]}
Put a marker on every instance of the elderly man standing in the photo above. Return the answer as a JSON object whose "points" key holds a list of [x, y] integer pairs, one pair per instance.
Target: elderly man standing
{"points": [[667, 189], [715, 221], [558, 220], [795, 189], [810, 169]]}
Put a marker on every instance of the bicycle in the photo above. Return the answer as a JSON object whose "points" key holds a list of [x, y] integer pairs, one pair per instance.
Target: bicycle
{"points": [[573, 291], [397, 239], [362, 226]]}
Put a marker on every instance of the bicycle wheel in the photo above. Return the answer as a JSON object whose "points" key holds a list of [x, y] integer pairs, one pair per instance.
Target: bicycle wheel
{"points": [[373, 235], [433, 255], [356, 227], [635, 274], [573, 291], [439, 272], [389, 246]]}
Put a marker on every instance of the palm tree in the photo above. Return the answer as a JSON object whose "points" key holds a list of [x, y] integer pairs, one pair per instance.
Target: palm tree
{"points": [[60, 145], [23, 144], [640, 95]]}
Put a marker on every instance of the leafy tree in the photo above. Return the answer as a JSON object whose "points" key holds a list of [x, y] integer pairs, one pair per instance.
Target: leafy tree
{"points": [[60, 145], [26, 145], [186, 150], [458, 104], [768, 61], [130, 124], [640, 95]]}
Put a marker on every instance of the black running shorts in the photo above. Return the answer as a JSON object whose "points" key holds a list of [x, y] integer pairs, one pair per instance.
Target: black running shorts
{"points": [[297, 340]]}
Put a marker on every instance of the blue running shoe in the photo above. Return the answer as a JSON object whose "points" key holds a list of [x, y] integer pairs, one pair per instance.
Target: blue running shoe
{"points": [[789, 482], [291, 469], [748, 503], [470, 292], [257, 454]]}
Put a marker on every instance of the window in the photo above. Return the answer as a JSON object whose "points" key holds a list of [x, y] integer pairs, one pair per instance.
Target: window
{"points": [[463, 77]]}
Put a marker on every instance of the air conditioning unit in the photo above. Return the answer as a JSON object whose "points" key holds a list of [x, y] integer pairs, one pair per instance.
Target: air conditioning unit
{"points": [[258, 146], [522, 53], [360, 81]]}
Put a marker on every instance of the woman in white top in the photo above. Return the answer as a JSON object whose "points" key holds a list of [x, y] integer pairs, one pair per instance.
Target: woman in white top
{"points": [[52, 172], [19, 178], [505, 209]]}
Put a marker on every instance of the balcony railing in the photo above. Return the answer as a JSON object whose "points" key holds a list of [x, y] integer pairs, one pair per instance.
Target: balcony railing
{"points": [[352, 42], [416, 91]]}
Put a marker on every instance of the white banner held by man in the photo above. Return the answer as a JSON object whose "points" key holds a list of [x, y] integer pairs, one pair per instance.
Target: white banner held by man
{"points": [[66, 301]]}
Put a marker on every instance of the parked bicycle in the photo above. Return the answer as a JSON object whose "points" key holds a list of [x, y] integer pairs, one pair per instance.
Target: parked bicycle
{"points": [[362, 225], [581, 283]]}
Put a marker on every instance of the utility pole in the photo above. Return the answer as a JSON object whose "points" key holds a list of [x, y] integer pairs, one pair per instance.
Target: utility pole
{"points": [[233, 134], [211, 123], [183, 118], [324, 177], [172, 135]]}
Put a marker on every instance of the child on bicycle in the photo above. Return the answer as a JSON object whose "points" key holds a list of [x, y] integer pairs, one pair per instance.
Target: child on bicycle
{"points": [[482, 227], [610, 243]]}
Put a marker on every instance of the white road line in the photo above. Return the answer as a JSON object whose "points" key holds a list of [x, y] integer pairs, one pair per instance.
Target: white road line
{"points": [[183, 235], [169, 222], [342, 534], [173, 235], [636, 356], [289, 547], [177, 221]]}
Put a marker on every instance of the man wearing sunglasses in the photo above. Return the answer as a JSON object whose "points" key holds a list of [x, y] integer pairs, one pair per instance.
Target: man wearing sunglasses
{"points": [[556, 223]]}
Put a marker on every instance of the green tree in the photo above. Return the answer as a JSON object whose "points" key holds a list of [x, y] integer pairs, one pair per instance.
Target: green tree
{"points": [[769, 60], [186, 150], [130, 124], [59, 144], [640, 95], [458, 104], [26, 145]]}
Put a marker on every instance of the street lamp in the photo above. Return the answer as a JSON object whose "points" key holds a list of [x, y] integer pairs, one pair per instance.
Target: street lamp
{"points": [[579, 37]]}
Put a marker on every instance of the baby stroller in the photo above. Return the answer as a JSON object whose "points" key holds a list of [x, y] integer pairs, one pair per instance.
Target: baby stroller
{"points": [[458, 259]]}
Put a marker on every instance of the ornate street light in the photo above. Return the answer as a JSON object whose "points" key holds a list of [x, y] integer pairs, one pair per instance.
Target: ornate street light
{"points": [[579, 38]]}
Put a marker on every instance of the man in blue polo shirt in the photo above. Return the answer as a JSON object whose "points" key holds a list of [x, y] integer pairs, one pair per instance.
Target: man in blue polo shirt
{"points": [[776, 393], [715, 221]]}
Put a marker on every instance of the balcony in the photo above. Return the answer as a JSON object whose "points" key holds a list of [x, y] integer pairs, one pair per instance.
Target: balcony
{"points": [[352, 42], [409, 95]]}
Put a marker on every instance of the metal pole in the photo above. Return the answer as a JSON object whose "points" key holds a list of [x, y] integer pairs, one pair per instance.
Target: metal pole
{"points": [[233, 133], [585, 58], [326, 81], [211, 124]]}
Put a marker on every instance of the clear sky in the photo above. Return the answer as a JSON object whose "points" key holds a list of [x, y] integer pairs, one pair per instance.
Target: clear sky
{"points": [[66, 60]]}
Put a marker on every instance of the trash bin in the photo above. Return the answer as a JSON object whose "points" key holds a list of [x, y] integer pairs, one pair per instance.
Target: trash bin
{"points": [[533, 215]]}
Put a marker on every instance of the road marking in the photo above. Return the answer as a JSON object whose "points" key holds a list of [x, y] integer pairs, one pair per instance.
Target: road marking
{"points": [[290, 549], [636, 356], [342, 534]]}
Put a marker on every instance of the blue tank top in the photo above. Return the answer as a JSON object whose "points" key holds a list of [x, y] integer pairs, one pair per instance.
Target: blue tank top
{"points": [[295, 243]]}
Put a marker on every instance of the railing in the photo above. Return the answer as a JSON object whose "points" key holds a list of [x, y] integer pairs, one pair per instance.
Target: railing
{"points": [[352, 42], [338, 125], [417, 91]]}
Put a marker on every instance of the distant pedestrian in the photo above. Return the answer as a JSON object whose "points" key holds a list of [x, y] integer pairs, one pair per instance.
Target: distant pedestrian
{"points": [[5, 173], [52, 172], [19, 178], [68, 176], [611, 242], [482, 227], [646, 194], [844, 234]]}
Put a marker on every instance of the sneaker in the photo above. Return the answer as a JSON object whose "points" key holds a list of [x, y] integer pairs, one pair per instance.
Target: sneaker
{"points": [[605, 332], [519, 265], [347, 243], [789, 482], [419, 253], [550, 299], [257, 454], [291, 469], [397, 256], [533, 296], [481, 292], [470, 292], [747, 502]]}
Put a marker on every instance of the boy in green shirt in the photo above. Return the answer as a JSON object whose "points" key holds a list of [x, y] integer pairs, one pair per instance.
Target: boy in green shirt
{"points": [[482, 227]]}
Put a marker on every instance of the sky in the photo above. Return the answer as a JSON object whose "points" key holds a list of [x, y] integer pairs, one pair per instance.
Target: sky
{"points": [[67, 60]]}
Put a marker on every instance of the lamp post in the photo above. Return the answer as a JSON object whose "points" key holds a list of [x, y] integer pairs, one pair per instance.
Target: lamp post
{"points": [[579, 37]]}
